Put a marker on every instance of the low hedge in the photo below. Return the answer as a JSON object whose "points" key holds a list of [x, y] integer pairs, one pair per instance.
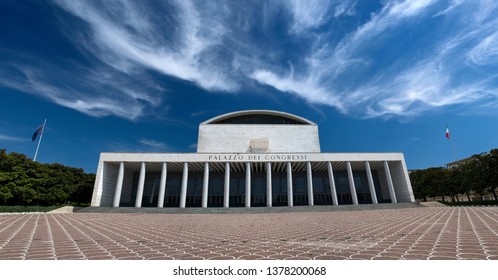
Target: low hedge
{"points": [[14, 209], [472, 203]]}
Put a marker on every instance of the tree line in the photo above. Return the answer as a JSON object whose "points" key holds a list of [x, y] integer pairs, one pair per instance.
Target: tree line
{"points": [[473, 177], [25, 182]]}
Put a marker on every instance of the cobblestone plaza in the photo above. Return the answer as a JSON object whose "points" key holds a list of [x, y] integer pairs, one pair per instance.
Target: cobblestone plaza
{"points": [[463, 233]]}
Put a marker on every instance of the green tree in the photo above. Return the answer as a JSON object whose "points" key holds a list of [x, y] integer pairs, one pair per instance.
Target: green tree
{"points": [[474, 175], [5, 194], [478, 174], [490, 164], [24, 182], [459, 180], [418, 179], [436, 180]]}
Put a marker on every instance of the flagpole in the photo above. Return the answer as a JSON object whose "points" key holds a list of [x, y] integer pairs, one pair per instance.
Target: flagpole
{"points": [[451, 143], [454, 151], [39, 140]]}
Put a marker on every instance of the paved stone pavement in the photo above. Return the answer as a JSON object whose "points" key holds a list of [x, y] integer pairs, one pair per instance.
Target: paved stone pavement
{"points": [[413, 233]]}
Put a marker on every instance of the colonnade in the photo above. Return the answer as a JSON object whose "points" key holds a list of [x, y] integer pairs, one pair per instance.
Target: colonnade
{"points": [[226, 187]]}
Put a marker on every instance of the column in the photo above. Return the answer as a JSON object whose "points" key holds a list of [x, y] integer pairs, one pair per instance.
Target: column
{"points": [[183, 191], [140, 189], [226, 193], [290, 196], [310, 183], [390, 185], [152, 190], [371, 183], [351, 184], [268, 185], [162, 186], [119, 186], [248, 184], [333, 191], [205, 185]]}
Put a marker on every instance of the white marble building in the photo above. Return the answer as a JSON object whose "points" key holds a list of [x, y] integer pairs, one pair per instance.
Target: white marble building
{"points": [[249, 159]]}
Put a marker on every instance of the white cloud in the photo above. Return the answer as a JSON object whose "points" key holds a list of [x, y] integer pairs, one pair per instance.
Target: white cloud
{"points": [[407, 8], [306, 89], [451, 7], [144, 45], [435, 76], [402, 57], [418, 89], [308, 14], [346, 8], [392, 14], [8, 138], [486, 52], [420, 86], [82, 91], [156, 145], [314, 14], [328, 61]]}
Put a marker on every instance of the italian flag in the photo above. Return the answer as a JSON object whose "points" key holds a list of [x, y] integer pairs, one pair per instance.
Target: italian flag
{"points": [[447, 133]]}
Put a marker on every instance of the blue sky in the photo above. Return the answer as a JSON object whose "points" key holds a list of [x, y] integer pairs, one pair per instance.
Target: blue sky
{"points": [[139, 76]]}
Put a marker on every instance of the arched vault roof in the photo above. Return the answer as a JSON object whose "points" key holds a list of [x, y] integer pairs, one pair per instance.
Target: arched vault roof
{"points": [[225, 118]]}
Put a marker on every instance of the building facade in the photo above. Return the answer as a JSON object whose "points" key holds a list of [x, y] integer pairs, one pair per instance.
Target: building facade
{"points": [[250, 159]]}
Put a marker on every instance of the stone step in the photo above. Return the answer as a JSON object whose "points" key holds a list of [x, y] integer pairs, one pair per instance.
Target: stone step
{"points": [[243, 210]]}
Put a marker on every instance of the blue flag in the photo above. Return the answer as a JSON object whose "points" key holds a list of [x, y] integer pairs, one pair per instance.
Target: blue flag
{"points": [[37, 132]]}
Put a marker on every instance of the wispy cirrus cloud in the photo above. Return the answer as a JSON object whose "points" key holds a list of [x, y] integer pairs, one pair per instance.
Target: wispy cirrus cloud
{"points": [[8, 138], [185, 49], [117, 45], [367, 60], [486, 51], [95, 92], [377, 70], [417, 89], [308, 14], [307, 89], [153, 144]]}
